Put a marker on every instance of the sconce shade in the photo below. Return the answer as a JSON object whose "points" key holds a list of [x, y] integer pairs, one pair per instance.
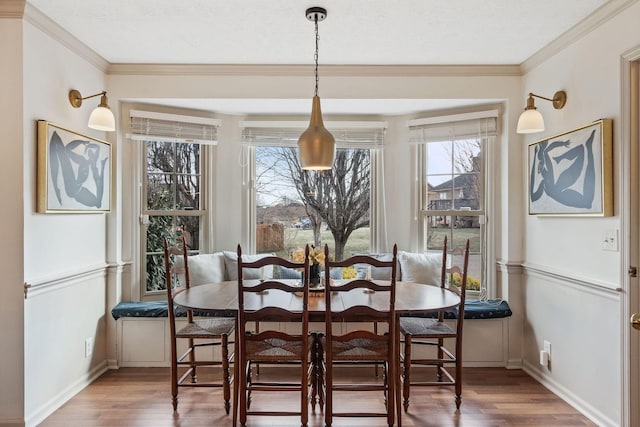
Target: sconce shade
{"points": [[316, 145], [530, 121], [102, 117]]}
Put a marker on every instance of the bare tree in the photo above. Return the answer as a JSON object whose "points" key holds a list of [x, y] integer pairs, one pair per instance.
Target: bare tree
{"points": [[466, 160], [340, 196]]}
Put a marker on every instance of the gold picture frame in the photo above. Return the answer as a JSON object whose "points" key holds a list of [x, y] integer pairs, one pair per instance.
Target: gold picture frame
{"points": [[572, 173], [74, 171]]}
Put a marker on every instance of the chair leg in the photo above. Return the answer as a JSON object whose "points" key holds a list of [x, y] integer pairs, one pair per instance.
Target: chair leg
{"points": [[440, 357], [458, 385], [320, 384], [304, 391], [406, 373], [328, 408], [314, 371], [236, 372], [192, 362], [226, 379], [242, 393]]}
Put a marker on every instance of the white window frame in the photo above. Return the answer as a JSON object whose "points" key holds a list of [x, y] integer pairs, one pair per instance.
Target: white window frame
{"points": [[486, 211], [377, 229], [207, 159]]}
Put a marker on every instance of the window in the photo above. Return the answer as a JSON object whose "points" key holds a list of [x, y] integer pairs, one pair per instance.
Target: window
{"points": [[174, 186], [453, 191], [292, 207], [172, 204]]}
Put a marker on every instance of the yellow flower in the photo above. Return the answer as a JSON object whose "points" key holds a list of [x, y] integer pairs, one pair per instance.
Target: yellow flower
{"points": [[316, 255], [298, 256]]}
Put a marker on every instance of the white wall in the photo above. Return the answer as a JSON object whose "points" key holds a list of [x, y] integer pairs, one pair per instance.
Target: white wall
{"points": [[64, 254], [570, 282]]}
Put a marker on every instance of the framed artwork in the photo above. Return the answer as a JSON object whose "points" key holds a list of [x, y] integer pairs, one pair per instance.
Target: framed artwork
{"points": [[571, 173], [74, 171]]}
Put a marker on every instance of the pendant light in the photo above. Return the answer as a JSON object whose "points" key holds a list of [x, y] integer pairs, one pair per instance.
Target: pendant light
{"points": [[316, 145]]}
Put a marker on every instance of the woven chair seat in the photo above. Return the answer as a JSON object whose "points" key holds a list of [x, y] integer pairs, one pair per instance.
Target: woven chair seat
{"points": [[273, 350], [358, 349], [420, 326], [202, 328]]}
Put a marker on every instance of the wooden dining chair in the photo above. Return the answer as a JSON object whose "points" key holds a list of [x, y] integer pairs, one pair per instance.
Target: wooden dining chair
{"points": [[355, 299], [267, 301], [197, 334], [442, 340]]}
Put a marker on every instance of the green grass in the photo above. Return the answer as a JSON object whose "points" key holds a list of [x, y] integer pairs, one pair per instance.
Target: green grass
{"points": [[295, 238]]}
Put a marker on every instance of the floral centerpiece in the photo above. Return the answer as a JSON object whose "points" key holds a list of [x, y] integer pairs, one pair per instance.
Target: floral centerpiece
{"points": [[316, 257]]}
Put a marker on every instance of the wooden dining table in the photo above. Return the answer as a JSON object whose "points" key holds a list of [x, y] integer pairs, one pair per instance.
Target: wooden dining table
{"points": [[411, 298]]}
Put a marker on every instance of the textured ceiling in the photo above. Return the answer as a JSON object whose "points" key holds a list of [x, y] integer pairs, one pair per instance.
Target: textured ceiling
{"points": [[356, 32]]}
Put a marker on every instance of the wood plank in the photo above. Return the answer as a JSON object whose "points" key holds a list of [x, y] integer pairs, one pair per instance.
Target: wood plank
{"points": [[491, 397]]}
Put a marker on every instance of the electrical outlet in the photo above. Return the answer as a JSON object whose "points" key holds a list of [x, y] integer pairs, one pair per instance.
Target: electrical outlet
{"points": [[88, 347], [547, 348]]}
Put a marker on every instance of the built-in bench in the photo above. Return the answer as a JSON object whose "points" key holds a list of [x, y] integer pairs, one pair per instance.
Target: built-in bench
{"points": [[142, 330]]}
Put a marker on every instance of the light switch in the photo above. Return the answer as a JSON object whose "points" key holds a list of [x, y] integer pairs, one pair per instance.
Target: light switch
{"points": [[610, 240]]}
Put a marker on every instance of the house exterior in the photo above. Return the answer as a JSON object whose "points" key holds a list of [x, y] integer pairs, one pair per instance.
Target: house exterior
{"points": [[63, 273]]}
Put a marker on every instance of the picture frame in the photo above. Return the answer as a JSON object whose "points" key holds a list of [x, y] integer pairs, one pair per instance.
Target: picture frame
{"points": [[571, 173], [74, 171]]}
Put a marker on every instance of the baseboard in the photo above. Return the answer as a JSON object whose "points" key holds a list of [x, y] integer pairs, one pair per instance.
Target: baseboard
{"points": [[48, 408], [112, 364], [514, 364], [558, 389]]}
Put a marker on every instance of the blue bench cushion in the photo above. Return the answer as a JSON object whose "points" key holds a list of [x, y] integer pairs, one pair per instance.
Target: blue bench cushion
{"points": [[490, 309], [475, 309], [154, 309]]}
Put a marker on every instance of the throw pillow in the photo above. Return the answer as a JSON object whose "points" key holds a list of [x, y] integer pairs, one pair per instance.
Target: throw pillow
{"points": [[203, 268], [231, 264], [377, 273], [421, 267]]}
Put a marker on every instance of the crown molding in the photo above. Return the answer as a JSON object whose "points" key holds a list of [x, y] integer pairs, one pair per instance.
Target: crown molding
{"points": [[591, 22], [12, 9], [47, 26], [305, 70]]}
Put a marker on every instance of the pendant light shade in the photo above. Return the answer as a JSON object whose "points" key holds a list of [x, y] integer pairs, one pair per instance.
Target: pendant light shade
{"points": [[316, 145]]}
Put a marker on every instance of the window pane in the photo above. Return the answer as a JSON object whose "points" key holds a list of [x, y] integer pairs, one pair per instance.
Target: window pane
{"points": [[173, 176], [170, 228], [457, 229], [296, 207], [453, 175]]}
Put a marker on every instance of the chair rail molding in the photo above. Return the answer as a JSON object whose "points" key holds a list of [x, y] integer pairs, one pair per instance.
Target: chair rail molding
{"points": [[61, 280], [611, 290]]}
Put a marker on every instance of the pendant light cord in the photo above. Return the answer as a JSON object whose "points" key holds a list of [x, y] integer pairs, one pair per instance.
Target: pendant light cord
{"points": [[315, 56]]}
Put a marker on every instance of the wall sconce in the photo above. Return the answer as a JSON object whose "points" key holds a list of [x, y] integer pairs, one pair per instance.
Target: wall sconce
{"points": [[316, 145], [102, 117], [531, 120]]}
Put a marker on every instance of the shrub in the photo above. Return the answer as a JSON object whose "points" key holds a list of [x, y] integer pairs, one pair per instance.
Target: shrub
{"points": [[473, 283]]}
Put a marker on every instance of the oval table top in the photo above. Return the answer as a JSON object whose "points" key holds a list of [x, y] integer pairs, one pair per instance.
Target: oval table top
{"points": [[223, 297]]}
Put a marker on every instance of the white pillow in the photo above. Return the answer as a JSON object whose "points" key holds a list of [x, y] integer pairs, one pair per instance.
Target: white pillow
{"points": [[420, 267], [203, 268], [231, 264]]}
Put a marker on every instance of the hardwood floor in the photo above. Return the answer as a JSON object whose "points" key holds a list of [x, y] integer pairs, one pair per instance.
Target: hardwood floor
{"points": [[491, 397]]}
